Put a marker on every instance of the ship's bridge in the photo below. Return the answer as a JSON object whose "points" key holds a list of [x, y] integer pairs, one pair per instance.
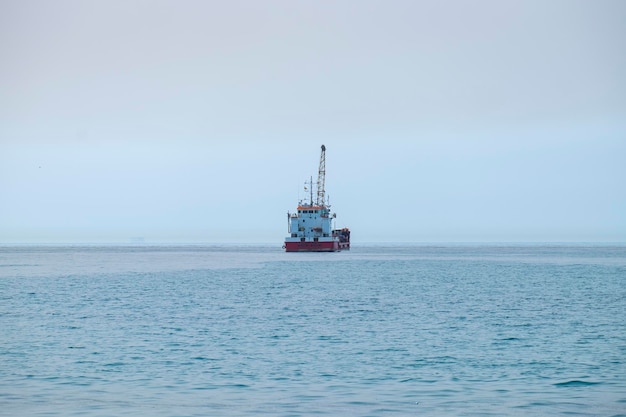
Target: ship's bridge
{"points": [[302, 208], [322, 211], [311, 221]]}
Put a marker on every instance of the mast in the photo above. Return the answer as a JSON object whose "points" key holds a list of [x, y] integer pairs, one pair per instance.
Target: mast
{"points": [[321, 178]]}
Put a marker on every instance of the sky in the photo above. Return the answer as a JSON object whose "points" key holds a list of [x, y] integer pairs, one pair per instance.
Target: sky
{"points": [[199, 121]]}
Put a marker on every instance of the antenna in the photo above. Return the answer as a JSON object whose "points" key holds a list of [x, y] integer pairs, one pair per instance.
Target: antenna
{"points": [[321, 178]]}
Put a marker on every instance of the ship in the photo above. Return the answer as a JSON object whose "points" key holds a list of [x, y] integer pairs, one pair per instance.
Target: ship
{"points": [[311, 227]]}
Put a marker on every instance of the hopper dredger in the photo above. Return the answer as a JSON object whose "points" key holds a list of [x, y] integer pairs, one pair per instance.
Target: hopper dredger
{"points": [[311, 228]]}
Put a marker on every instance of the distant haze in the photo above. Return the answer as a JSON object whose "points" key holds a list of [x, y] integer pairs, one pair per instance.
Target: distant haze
{"points": [[199, 121]]}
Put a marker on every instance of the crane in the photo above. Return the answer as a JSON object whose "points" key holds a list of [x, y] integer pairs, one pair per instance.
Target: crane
{"points": [[321, 178]]}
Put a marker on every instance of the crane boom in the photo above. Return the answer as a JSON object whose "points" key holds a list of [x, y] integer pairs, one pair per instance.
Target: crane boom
{"points": [[321, 178]]}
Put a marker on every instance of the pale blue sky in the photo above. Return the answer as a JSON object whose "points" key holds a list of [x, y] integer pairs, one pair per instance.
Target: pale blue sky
{"points": [[199, 121]]}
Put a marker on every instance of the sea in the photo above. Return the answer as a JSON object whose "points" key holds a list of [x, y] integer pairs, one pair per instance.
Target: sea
{"points": [[380, 330]]}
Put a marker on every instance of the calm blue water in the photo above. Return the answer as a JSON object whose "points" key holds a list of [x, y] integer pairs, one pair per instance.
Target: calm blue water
{"points": [[377, 331]]}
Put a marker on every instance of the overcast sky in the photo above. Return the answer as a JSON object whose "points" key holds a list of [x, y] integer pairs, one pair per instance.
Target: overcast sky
{"points": [[199, 121]]}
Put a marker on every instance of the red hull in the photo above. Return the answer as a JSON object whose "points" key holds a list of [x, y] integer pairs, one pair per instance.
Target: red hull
{"points": [[312, 246]]}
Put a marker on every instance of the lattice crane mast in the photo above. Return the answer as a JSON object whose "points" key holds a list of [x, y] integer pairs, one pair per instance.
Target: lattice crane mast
{"points": [[321, 179]]}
